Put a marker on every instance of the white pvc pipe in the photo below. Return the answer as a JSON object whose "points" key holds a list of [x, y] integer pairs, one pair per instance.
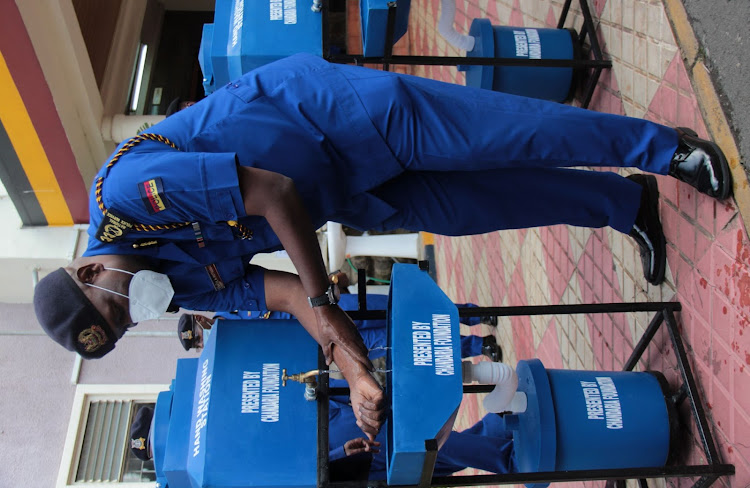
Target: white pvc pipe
{"points": [[445, 27], [336, 246], [504, 397], [391, 245], [118, 127], [371, 289], [340, 246]]}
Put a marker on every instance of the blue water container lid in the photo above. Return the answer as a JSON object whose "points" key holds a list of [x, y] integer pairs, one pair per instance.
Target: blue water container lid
{"points": [[425, 385], [536, 438], [484, 47]]}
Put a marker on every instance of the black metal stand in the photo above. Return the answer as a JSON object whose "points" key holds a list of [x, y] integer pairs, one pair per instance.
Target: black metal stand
{"points": [[707, 473], [593, 66]]}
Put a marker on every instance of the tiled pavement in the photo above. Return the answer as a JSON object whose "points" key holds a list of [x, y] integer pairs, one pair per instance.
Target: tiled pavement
{"points": [[708, 246]]}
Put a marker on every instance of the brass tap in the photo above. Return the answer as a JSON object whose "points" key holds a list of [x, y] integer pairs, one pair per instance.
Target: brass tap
{"points": [[309, 377]]}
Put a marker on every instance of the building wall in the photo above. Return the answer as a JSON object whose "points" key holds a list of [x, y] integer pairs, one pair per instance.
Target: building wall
{"points": [[37, 392], [36, 401]]}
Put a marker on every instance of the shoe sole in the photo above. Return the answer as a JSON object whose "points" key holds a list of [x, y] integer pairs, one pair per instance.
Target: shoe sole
{"points": [[660, 247], [726, 189]]}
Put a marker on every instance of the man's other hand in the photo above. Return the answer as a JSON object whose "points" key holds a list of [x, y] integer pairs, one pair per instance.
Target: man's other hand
{"points": [[336, 328], [368, 403], [360, 444]]}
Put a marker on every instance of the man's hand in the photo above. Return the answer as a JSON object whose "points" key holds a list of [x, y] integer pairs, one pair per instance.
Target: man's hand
{"points": [[345, 345], [368, 401], [336, 328], [360, 444]]}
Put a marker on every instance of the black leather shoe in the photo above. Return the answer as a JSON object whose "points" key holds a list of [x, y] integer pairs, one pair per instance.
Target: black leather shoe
{"points": [[701, 164], [647, 230], [491, 349], [489, 320]]}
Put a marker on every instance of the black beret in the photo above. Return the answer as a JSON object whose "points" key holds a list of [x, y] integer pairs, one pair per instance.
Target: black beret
{"points": [[186, 331], [68, 317], [140, 441], [174, 106]]}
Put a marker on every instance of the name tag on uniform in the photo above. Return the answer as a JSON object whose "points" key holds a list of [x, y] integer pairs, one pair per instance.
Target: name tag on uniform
{"points": [[213, 274], [113, 227]]}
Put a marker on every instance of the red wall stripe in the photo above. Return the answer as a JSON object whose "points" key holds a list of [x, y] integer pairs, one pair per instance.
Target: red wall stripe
{"points": [[26, 71]]}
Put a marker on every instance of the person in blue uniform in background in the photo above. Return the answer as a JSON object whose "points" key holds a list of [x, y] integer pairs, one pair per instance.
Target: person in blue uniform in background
{"points": [[177, 213], [486, 445], [192, 329], [141, 442]]}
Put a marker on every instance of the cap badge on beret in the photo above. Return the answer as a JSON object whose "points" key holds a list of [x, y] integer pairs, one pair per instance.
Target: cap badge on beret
{"points": [[139, 443], [92, 338], [187, 335]]}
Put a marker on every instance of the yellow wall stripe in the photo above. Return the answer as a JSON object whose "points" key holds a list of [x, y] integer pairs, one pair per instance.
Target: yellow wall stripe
{"points": [[30, 152]]}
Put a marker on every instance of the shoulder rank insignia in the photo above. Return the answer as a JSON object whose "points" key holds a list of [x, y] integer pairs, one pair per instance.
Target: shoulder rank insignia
{"points": [[113, 227]]}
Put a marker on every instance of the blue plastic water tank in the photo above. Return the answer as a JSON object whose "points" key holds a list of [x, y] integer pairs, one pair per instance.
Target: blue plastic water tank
{"points": [[248, 34], [229, 421], [555, 84], [582, 420]]}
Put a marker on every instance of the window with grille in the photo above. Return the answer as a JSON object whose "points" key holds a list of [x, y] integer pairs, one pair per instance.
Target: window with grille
{"points": [[105, 451], [97, 446]]}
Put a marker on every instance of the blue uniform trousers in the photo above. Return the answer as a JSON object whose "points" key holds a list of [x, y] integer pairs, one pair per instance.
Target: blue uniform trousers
{"points": [[444, 134]]}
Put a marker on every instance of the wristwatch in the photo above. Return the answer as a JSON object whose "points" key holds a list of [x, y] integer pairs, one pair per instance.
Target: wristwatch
{"points": [[330, 297]]}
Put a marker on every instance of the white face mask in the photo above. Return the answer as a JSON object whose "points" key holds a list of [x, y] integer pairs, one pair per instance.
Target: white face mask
{"points": [[149, 294]]}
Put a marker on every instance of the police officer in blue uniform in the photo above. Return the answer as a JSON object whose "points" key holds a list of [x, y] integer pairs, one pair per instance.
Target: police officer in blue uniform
{"points": [[177, 213], [141, 434], [486, 445]]}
